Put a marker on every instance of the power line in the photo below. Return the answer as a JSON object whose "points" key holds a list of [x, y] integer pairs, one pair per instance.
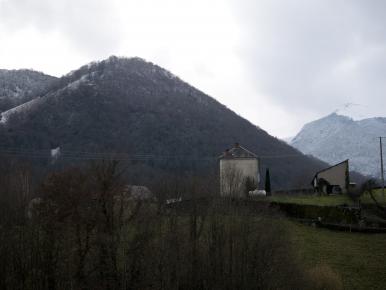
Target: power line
{"points": [[87, 155]]}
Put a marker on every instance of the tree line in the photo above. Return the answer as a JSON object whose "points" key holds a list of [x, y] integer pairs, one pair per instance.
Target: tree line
{"points": [[79, 228]]}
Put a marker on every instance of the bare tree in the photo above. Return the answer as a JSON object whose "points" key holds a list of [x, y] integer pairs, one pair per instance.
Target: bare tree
{"points": [[368, 187], [107, 176], [231, 181]]}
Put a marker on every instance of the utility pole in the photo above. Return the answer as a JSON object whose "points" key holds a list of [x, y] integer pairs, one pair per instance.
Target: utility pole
{"points": [[382, 173]]}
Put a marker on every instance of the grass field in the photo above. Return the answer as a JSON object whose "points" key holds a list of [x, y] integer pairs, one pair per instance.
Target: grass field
{"points": [[359, 259], [311, 199]]}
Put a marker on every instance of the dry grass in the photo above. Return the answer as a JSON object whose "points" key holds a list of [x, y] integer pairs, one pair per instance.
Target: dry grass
{"points": [[323, 277], [358, 259]]}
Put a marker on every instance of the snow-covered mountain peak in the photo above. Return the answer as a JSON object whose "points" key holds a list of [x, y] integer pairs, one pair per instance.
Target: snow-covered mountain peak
{"points": [[355, 111], [322, 128], [335, 137]]}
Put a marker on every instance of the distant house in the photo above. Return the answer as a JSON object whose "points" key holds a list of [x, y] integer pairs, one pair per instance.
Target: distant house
{"points": [[332, 180], [239, 171]]}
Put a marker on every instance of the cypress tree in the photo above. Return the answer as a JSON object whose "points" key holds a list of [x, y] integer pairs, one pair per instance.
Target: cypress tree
{"points": [[267, 182]]}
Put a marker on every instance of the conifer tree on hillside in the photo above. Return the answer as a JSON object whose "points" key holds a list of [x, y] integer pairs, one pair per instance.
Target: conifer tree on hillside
{"points": [[267, 182]]}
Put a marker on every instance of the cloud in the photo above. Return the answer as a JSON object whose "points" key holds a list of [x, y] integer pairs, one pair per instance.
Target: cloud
{"points": [[278, 63], [88, 25], [315, 55]]}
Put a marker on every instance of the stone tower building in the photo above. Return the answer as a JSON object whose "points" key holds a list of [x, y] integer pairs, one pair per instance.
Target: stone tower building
{"points": [[239, 171]]}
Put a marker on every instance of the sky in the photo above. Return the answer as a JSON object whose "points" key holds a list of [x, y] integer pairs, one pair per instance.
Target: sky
{"points": [[277, 63]]}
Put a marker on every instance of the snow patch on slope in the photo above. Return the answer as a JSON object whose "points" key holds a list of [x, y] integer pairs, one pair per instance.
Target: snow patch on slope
{"points": [[27, 106], [19, 109], [76, 84]]}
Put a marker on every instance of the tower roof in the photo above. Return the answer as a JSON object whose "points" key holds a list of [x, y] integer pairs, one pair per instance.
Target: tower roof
{"points": [[237, 151]]}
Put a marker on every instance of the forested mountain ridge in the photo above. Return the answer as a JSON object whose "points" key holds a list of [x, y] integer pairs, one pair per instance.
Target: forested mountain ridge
{"points": [[133, 106]]}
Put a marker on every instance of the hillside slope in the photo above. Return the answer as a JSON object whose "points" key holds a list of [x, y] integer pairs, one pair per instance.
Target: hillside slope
{"points": [[133, 106]]}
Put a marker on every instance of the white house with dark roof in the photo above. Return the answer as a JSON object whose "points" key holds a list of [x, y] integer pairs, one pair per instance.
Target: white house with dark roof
{"points": [[334, 179], [239, 171]]}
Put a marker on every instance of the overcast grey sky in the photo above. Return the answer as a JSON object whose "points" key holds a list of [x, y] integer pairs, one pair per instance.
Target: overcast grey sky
{"points": [[278, 63]]}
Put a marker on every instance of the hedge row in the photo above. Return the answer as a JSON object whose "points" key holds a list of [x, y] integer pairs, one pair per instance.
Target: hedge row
{"points": [[327, 214]]}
